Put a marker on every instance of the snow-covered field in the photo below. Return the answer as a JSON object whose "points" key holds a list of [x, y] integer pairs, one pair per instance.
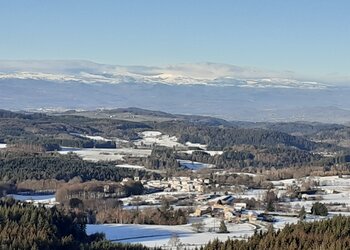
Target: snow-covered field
{"points": [[156, 137], [151, 198], [341, 198], [100, 138], [197, 145], [257, 194], [3, 145], [332, 181], [129, 166], [285, 182], [194, 165], [281, 221], [159, 235], [322, 180], [149, 138], [92, 137], [42, 199], [102, 154], [211, 152], [337, 191]]}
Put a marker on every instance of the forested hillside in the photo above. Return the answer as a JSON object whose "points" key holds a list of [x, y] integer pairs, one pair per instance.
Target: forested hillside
{"points": [[51, 131], [222, 137], [256, 145], [326, 234], [24, 226], [17, 167], [235, 158]]}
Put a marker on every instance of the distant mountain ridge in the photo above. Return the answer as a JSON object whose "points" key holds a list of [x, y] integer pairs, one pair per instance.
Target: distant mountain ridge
{"points": [[218, 90], [200, 73]]}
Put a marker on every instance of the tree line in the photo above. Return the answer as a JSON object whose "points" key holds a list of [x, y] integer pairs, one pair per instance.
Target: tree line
{"points": [[24, 226], [16, 167], [325, 234], [218, 138]]}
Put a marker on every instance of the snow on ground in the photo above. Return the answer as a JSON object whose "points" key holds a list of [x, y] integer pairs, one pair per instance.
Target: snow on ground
{"points": [[92, 137], [100, 138], [42, 199], [249, 174], [150, 134], [194, 165], [281, 221], [226, 172], [211, 152], [322, 180], [129, 166], [103, 154], [257, 194], [327, 183], [154, 196], [159, 235], [66, 150], [197, 145], [96, 138], [332, 181], [3, 145], [214, 152], [285, 182], [339, 198], [156, 137]]}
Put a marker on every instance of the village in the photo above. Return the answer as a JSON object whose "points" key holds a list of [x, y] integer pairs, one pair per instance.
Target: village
{"points": [[214, 207]]}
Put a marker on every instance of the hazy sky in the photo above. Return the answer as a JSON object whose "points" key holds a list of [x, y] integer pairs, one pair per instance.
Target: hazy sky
{"points": [[310, 37]]}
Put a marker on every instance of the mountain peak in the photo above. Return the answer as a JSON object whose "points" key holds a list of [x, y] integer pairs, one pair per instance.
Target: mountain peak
{"points": [[207, 73]]}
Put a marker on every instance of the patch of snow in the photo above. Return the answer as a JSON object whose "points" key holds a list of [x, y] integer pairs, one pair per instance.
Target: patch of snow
{"points": [[322, 180], [129, 166], [159, 235], [102, 154], [3, 145], [340, 198], [38, 199], [155, 137], [211, 152], [65, 150], [241, 173], [194, 165], [285, 182], [151, 133], [92, 137], [281, 221], [198, 145], [257, 194]]}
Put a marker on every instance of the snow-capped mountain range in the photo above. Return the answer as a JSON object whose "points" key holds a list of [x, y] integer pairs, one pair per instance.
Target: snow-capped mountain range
{"points": [[220, 90], [201, 73]]}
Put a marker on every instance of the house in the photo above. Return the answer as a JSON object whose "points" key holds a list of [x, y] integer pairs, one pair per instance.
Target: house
{"points": [[225, 199], [202, 210], [229, 216], [252, 216], [240, 206]]}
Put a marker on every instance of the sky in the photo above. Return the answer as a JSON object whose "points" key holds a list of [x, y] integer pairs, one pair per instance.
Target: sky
{"points": [[311, 37]]}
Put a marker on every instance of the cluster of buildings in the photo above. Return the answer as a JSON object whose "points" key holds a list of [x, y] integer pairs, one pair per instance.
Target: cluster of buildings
{"points": [[224, 207], [180, 184]]}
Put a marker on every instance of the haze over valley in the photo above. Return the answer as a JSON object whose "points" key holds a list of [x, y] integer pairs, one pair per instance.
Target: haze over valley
{"points": [[220, 90]]}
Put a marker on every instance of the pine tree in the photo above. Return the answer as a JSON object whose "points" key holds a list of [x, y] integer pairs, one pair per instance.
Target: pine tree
{"points": [[223, 228], [302, 213], [319, 209]]}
